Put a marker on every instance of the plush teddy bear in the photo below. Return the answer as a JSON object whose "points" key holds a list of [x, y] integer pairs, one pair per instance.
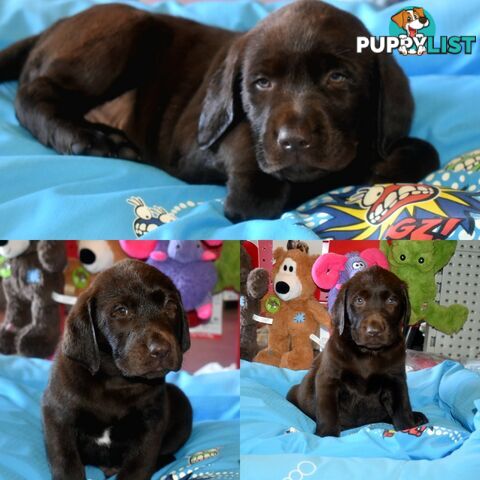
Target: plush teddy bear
{"points": [[294, 311], [33, 271], [191, 269], [94, 256], [253, 287], [331, 270], [416, 263]]}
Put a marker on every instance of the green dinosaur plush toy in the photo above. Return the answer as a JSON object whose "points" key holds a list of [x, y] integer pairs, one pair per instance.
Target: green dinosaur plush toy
{"points": [[416, 263]]}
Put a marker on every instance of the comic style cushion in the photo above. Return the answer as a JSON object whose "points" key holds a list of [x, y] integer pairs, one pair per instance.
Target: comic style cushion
{"points": [[446, 205]]}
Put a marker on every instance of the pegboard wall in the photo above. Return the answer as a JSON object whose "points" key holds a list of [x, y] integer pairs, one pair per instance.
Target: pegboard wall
{"points": [[459, 282]]}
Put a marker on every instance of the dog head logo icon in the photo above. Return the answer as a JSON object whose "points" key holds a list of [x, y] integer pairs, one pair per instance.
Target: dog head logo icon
{"points": [[414, 23]]}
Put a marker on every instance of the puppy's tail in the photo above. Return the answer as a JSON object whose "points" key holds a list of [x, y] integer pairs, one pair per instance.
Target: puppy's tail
{"points": [[14, 57]]}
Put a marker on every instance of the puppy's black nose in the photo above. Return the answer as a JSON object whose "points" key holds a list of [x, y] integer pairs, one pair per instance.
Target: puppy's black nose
{"points": [[423, 20], [158, 349], [3, 243], [87, 256], [294, 139], [282, 287], [374, 329]]}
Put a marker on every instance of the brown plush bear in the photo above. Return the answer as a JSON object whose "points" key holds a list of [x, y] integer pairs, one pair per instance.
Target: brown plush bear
{"points": [[94, 256], [32, 317], [253, 286], [294, 311]]}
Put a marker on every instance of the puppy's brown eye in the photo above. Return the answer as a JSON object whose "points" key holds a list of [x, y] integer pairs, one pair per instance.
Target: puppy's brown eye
{"points": [[359, 301], [391, 300], [263, 83], [120, 311], [337, 77]]}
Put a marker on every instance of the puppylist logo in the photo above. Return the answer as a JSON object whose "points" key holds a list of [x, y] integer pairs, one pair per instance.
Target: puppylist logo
{"points": [[412, 32]]}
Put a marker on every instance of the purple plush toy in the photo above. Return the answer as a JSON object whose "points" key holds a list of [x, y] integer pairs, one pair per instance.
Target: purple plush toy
{"points": [[192, 271], [331, 270]]}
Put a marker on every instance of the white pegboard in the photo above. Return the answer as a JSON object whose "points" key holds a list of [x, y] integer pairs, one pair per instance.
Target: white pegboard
{"points": [[459, 282]]}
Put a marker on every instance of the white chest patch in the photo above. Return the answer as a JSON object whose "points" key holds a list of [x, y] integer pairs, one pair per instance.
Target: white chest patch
{"points": [[105, 439]]}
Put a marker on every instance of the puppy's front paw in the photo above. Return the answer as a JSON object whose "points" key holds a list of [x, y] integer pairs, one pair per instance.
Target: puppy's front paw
{"points": [[240, 210], [327, 430], [103, 141]]}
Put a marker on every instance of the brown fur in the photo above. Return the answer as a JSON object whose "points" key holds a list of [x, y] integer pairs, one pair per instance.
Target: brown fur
{"points": [[360, 376], [126, 331], [280, 114], [289, 343]]}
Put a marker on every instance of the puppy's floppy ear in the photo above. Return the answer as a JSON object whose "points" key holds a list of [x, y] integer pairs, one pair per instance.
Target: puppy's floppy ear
{"points": [[339, 311], [80, 341], [221, 102], [395, 104], [185, 337], [420, 11], [400, 18], [175, 308]]}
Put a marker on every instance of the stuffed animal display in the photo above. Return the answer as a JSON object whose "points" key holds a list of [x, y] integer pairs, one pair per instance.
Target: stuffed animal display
{"points": [[253, 287], [294, 311], [94, 256], [228, 265], [331, 270], [416, 263], [191, 269], [32, 271], [3, 301]]}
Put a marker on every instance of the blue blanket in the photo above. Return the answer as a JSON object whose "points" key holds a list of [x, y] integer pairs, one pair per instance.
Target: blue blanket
{"points": [[277, 439], [212, 448], [77, 197]]}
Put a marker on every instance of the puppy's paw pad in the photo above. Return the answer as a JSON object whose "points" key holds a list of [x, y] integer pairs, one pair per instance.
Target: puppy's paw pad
{"points": [[103, 141]]}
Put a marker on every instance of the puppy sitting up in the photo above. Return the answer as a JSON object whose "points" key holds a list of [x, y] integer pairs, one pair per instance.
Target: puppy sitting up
{"points": [[107, 403], [360, 376]]}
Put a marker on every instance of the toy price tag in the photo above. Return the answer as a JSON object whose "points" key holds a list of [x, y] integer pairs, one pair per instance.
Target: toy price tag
{"points": [[321, 341]]}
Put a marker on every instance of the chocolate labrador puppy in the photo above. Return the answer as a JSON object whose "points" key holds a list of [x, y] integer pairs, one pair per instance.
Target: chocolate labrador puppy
{"points": [[281, 113], [360, 376], [107, 403]]}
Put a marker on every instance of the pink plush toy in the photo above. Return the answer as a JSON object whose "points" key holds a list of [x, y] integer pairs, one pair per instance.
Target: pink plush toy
{"points": [[331, 270], [139, 249]]}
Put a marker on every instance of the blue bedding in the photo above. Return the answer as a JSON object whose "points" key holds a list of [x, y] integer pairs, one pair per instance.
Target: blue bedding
{"points": [[277, 439], [77, 197], [211, 452]]}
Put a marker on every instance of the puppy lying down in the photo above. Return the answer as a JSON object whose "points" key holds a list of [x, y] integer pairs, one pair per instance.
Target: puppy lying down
{"points": [[279, 114], [107, 403], [360, 376]]}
